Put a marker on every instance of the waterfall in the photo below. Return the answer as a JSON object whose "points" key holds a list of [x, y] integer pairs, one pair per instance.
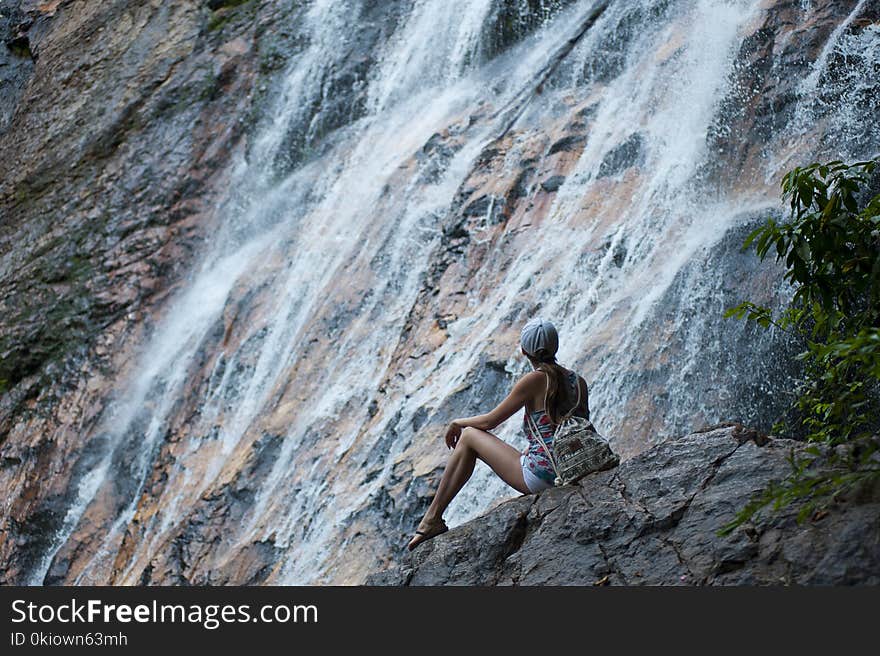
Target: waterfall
{"points": [[276, 371]]}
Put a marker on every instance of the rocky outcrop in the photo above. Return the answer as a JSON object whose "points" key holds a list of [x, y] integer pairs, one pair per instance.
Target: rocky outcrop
{"points": [[654, 521]]}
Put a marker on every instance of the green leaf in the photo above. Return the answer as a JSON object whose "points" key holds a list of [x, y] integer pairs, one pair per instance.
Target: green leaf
{"points": [[752, 236], [803, 251], [805, 189]]}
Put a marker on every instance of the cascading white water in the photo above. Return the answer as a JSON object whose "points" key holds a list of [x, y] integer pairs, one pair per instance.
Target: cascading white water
{"points": [[672, 103], [365, 208]]}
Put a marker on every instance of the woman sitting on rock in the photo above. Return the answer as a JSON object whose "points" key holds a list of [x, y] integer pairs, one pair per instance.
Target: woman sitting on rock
{"points": [[547, 393]]}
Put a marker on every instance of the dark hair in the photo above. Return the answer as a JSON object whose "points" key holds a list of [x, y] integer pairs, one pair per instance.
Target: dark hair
{"points": [[556, 404]]}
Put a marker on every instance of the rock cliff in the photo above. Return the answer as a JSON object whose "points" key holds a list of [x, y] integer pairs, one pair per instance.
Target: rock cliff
{"points": [[654, 521], [254, 254], [118, 124]]}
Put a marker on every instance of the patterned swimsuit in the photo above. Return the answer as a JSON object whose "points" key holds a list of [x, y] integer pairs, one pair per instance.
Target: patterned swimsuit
{"points": [[536, 459]]}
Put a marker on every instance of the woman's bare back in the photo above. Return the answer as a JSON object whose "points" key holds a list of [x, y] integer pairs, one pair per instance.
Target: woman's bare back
{"points": [[536, 401]]}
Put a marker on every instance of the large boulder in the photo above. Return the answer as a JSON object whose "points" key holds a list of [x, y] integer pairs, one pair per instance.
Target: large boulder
{"points": [[655, 520]]}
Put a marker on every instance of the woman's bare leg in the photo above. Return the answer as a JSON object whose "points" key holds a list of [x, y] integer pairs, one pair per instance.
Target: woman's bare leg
{"points": [[475, 443]]}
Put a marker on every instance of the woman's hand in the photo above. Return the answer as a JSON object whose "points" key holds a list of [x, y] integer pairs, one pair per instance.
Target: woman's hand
{"points": [[452, 434]]}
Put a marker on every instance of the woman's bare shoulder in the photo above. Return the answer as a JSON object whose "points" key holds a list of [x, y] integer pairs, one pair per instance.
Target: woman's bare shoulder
{"points": [[532, 378]]}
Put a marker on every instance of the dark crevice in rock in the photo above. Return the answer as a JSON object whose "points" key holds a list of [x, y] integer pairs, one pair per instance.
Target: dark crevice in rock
{"points": [[520, 187], [580, 491], [627, 499], [716, 465], [515, 539], [510, 21], [675, 548], [676, 515], [610, 567], [20, 46]]}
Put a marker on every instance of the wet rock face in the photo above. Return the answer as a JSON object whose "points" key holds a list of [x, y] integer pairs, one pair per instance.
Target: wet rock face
{"points": [[344, 92], [16, 57], [610, 53], [629, 153], [654, 521], [511, 20], [771, 73], [110, 165], [117, 124], [686, 314]]}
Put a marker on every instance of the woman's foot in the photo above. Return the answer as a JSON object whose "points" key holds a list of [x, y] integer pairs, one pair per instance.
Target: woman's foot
{"points": [[426, 530]]}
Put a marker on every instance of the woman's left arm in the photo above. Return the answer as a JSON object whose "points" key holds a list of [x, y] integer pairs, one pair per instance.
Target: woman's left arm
{"points": [[522, 390]]}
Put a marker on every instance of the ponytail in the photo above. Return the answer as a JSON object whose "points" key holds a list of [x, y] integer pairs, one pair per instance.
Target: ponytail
{"points": [[555, 376]]}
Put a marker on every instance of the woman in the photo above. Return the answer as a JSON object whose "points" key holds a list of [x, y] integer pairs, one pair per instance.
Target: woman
{"points": [[469, 438]]}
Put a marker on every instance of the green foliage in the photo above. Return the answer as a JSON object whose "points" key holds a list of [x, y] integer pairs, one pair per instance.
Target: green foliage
{"points": [[831, 251]]}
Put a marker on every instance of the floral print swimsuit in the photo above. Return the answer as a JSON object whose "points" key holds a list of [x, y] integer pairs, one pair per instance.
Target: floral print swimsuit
{"points": [[536, 459]]}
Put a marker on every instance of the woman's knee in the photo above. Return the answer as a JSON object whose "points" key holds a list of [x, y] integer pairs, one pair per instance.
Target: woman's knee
{"points": [[468, 436]]}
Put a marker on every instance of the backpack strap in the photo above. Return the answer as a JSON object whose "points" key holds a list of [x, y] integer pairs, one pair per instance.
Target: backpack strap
{"points": [[537, 434]]}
